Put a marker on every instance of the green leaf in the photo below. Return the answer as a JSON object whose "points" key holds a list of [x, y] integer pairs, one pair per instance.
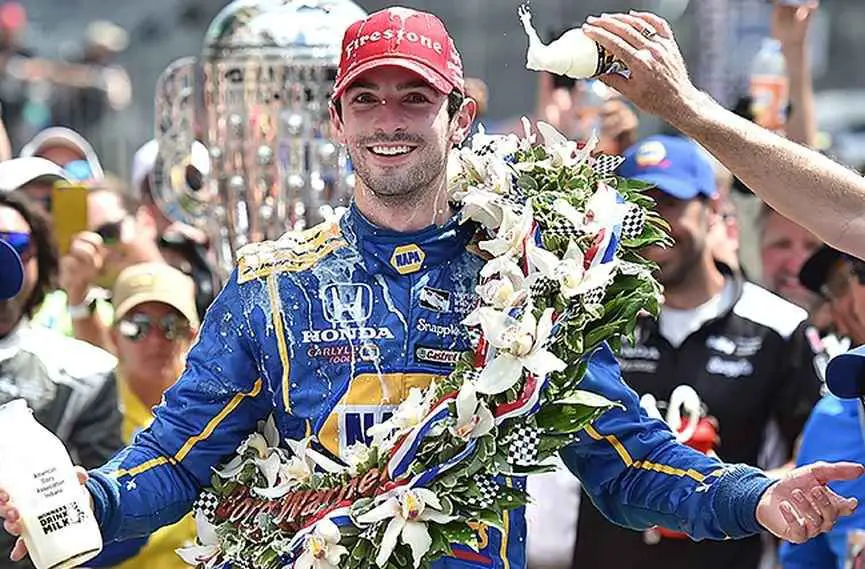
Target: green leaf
{"points": [[527, 183], [588, 399], [562, 419], [536, 469], [458, 532], [510, 498], [551, 443], [491, 519], [361, 551]]}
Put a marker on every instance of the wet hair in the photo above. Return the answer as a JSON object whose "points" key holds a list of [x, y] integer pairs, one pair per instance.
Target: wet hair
{"points": [[47, 257], [455, 101]]}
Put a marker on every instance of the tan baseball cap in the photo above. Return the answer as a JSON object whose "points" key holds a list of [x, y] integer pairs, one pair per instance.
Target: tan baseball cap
{"points": [[155, 282]]}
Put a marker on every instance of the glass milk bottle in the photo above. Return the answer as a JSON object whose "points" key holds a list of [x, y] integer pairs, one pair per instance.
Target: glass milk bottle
{"points": [[36, 471]]}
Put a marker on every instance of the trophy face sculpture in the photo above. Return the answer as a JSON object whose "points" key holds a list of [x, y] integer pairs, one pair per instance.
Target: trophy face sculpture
{"points": [[257, 97]]}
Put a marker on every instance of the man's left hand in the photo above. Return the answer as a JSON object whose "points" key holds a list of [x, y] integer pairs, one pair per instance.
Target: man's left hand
{"points": [[801, 506]]}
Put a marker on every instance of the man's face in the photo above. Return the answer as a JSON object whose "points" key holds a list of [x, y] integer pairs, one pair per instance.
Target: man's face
{"points": [[844, 294], [784, 249], [689, 226], [60, 154], [123, 234], [152, 340], [14, 229], [397, 131]]}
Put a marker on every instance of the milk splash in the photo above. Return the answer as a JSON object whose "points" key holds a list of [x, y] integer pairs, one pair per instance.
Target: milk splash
{"points": [[574, 54]]}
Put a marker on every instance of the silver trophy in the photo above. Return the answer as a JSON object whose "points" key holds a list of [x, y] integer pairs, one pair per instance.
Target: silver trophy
{"points": [[258, 99]]}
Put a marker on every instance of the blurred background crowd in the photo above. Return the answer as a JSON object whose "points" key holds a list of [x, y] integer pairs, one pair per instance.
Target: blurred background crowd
{"points": [[110, 309]]}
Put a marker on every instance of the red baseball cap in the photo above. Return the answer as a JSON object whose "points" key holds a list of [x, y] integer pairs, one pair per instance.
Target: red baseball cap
{"points": [[416, 41]]}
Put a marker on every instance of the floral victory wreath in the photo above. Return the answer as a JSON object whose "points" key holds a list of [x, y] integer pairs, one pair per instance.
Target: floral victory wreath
{"points": [[562, 233]]}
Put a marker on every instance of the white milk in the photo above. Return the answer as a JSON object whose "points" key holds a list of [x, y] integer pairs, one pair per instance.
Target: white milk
{"points": [[573, 54], [35, 469]]}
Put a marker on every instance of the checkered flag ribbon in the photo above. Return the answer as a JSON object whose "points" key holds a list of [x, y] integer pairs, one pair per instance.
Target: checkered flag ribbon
{"points": [[206, 504], [241, 563], [543, 287], [594, 296], [488, 147], [562, 230], [487, 491], [523, 445], [634, 221], [606, 165], [515, 200]]}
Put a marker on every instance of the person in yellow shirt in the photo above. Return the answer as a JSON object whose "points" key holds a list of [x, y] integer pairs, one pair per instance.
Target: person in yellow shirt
{"points": [[155, 322]]}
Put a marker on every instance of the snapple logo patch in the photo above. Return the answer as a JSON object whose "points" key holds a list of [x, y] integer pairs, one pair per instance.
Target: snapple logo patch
{"points": [[407, 259]]}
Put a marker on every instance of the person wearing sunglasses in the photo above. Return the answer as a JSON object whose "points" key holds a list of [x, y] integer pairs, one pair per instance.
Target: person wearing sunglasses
{"points": [[65, 381], [839, 280], [121, 234], [836, 428], [156, 321]]}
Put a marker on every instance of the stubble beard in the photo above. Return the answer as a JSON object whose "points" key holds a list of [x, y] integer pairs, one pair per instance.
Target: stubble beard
{"points": [[400, 185]]}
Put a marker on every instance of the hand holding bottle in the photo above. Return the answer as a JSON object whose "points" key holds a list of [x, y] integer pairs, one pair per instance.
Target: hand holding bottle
{"points": [[41, 496], [12, 518]]}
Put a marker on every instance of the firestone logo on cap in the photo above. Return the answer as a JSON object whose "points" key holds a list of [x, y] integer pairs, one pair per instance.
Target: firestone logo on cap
{"points": [[393, 33], [414, 40]]}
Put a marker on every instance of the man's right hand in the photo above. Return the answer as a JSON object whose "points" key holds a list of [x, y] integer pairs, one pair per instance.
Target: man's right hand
{"points": [[659, 82], [80, 267], [12, 518]]}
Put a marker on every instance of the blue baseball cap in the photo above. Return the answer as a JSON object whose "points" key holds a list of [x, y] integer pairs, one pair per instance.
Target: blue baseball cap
{"points": [[845, 374], [11, 271], [674, 165]]}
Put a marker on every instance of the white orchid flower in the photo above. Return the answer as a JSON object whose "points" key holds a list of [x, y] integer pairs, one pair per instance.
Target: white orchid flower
{"points": [[498, 176], [409, 511], [474, 419], [409, 414], [232, 468], [528, 134], [312, 458], [356, 455], [474, 166], [321, 549], [265, 441], [454, 168], [508, 289], [570, 271], [288, 476], [482, 206], [298, 469], [519, 344], [511, 233], [499, 145], [602, 210], [564, 152], [207, 549]]}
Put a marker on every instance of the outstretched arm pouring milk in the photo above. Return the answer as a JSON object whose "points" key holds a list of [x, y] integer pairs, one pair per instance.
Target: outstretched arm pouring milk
{"points": [[803, 185]]}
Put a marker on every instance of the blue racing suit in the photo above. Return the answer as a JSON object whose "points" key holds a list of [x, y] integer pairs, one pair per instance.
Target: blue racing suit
{"points": [[328, 329]]}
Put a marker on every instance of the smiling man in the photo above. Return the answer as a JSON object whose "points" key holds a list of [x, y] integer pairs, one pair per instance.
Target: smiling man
{"points": [[398, 267]]}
